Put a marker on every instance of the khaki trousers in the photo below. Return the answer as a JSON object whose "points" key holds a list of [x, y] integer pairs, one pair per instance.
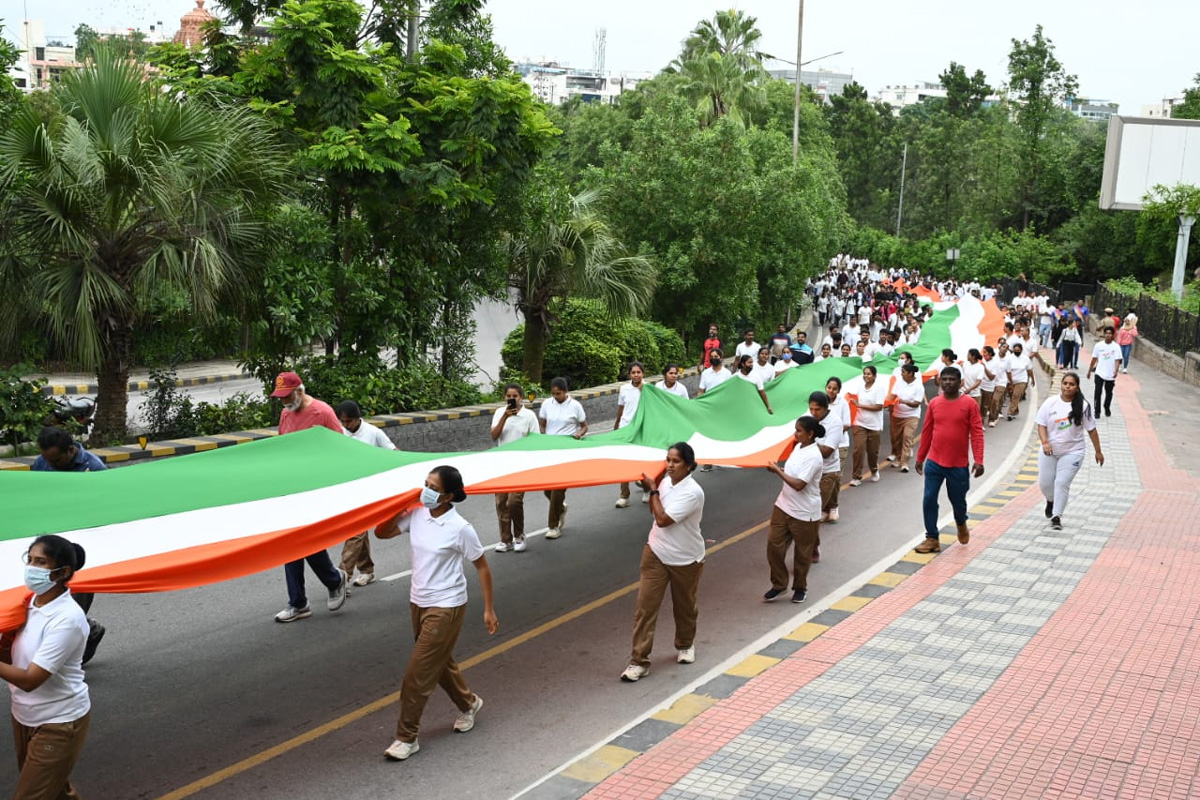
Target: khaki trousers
{"points": [[831, 489], [866, 450], [904, 431], [431, 665], [45, 757], [1018, 394], [786, 531], [655, 578], [557, 498], [998, 402], [510, 511], [356, 552], [985, 404]]}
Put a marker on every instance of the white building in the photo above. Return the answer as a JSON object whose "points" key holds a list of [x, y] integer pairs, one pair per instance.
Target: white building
{"points": [[555, 84], [1162, 109], [1095, 110], [40, 63], [826, 83], [902, 96]]}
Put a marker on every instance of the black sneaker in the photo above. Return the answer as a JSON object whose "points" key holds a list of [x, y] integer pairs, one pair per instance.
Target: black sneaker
{"points": [[798, 596], [771, 594], [1049, 509], [1056, 524], [95, 634]]}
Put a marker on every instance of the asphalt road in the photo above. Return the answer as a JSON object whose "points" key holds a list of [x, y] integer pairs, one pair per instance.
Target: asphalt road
{"points": [[189, 684]]}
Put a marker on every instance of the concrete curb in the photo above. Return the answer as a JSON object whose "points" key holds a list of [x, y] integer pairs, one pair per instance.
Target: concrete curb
{"points": [[60, 389]]}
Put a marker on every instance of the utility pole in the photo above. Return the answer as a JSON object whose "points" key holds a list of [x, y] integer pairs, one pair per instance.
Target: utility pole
{"points": [[903, 170], [1186, 221], [799, 84], [414, 32]]}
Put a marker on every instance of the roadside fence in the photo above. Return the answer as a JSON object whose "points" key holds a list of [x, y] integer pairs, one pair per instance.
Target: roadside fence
{"points": [[1168, 326]]}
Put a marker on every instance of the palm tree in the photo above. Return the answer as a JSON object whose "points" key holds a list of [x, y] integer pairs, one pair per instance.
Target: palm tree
{"points": [[573, 252], [132, 191], [722, 66], [729, 33]]}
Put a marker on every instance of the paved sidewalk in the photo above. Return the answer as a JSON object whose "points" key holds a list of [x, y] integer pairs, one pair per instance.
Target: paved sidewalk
{"points": [[1030, 663]]}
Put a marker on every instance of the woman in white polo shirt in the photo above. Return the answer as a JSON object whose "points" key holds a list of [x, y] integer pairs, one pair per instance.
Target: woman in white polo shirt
{"points": [[43, 666], [628, 400], [561, 415], [441, 540], [796, 517], [673, 557]]}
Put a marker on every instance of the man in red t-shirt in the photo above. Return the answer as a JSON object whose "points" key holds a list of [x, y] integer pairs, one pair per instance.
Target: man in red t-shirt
{"points": [[953, 431], [713, 342], [301, 412]]}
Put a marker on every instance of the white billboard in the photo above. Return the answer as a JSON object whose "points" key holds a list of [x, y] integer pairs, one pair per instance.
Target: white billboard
{"points": [[1144, 152]]}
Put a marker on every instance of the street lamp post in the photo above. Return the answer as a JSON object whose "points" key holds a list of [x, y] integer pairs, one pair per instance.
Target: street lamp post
{"points": [[796, 110]]}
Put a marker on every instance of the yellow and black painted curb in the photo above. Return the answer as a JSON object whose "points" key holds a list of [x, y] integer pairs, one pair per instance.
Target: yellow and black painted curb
{"points": [[584, 774], [60, 389], [196, 444]]}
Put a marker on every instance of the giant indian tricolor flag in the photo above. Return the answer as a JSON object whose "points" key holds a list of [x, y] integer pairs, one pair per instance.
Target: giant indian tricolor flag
{"points": [[222, 514]]}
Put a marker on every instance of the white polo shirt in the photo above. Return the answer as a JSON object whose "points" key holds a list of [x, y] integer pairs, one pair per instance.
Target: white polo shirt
{"points": [[517, 427], [562, 419], [765, 372], [682, 543], [913, 392], [871, 420], [834, 430], [752, 378], [369, 434], [1019, 367], [972, 373], [807, 464], [628, 400], [678, 389], [439, 547], [53, 638], [711, 379]]}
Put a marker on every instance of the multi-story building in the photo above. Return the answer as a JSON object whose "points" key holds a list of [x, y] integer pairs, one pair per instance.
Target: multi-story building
{"points": [[555, 83], [825, 82], [1095, 110], [40, 63], [1162, 109], [902, 96]]}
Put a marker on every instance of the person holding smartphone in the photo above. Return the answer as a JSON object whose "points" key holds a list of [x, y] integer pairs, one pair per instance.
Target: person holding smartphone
{"points": [[512, 421]]}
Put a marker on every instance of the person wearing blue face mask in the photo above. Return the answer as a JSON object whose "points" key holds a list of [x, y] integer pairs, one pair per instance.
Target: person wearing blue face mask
{"points": [[43, 665], [441, 540]]}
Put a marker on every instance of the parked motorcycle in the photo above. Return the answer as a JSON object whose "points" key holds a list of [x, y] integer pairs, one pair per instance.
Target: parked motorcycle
{"points": [[80, 410]]}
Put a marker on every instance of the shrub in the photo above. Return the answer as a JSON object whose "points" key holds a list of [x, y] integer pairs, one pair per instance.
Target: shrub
{"points": [[589, 349], [23, 408], [379, 389]]}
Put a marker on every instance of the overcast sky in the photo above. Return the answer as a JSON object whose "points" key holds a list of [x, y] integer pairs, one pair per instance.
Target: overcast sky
{"points": [[1133, 53]]}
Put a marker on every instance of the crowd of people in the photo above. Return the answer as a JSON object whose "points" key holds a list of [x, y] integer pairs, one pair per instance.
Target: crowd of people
{"points": [[860, 311]]}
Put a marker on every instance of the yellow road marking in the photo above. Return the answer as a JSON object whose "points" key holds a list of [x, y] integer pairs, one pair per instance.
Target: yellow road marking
{"points": [[807, 632], [753, 665], [889, 579], [851, 603], [338, 723], [600, 764], [686, 708]]}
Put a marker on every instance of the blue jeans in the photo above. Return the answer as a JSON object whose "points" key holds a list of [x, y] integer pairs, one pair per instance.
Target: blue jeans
{"points": [[1044, 334], [957, 480], [1126, 353], [321, 564]]}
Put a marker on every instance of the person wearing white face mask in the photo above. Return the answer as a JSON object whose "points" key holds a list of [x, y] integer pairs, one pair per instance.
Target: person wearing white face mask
{"points": [[441, 541], [42, 663], [301, 412]]}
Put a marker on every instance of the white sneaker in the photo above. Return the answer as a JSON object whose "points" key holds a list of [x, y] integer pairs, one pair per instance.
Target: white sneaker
{"points": [[622, 502], [875, 476], [891, 458], [1124, 371], [291, 614], [687, 655], [904, 468], [337, 597], [518, 544], [364, 578], [401, 750], [634, 673], [562, 521], [554, 533], [856, 482], [645, 497], [833, 515], [706, 468], [466, 720], [503, 547]]}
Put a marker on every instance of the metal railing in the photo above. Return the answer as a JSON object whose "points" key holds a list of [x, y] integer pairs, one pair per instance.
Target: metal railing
{"points": [[1168, 326]]}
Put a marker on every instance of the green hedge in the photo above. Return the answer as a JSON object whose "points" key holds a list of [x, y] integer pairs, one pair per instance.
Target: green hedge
{"points": [[589, 349], [379, 389]]}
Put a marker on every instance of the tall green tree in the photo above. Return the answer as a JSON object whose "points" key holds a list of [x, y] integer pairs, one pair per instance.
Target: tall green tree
{"points": [[964, 94], [1041, 86], [869, 153], [722, 67], [567, 249], [133, 192], [1190, 107]]}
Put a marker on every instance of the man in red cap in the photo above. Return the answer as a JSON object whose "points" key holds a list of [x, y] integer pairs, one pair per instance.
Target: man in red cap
{"points": [[301, 412]]}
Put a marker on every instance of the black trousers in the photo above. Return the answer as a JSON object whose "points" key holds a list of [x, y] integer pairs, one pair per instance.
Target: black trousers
{"points": [[1106, 387]]}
